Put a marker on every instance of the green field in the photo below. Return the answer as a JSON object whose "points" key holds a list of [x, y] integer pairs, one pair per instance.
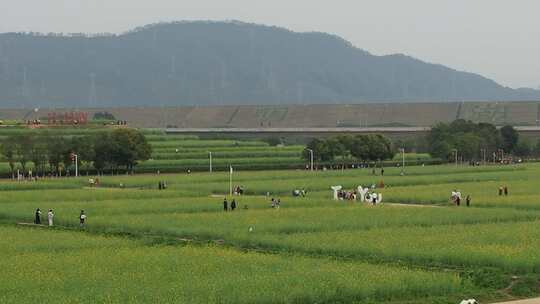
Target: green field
{"points": [[177, 245]]}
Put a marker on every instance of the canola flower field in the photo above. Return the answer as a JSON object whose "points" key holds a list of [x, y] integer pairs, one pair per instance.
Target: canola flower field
{"points": [[178, 245]]}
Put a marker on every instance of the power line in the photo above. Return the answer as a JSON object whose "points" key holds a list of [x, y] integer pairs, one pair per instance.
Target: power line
{"points": [[92, 98]]}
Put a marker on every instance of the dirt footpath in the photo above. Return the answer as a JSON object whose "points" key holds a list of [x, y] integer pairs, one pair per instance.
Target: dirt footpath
{"points": [[529, 301]]}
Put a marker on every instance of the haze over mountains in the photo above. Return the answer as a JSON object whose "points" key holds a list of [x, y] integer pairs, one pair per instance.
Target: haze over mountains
{"points": [[221, 63]]}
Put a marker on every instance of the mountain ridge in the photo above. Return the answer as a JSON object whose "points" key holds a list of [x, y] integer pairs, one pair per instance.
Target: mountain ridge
{"points": [[222, 63]]}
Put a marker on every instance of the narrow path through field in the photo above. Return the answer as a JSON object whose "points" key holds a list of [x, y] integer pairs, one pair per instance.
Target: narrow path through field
{"points": [[413, 205], [529, 301]]}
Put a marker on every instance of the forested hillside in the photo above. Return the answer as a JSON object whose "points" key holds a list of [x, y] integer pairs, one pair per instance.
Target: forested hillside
{"points": [[203, 63]]}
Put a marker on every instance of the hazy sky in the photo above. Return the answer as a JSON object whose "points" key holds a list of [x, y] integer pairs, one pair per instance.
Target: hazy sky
{"points": [[496, 38]]}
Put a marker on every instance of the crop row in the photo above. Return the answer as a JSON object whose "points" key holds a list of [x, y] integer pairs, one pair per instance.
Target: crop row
{"points": [[228, 154], [206, 143], [133, 272]]}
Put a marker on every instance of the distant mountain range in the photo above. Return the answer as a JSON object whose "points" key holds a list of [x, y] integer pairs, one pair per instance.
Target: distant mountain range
{"points": [[221, 63]]}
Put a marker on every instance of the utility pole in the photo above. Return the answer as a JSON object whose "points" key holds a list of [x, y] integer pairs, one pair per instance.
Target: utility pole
{"points": [[210, 154], [484, 156], [403, 161], [230, 180], [92, 98], [456, 155], [311, 157], [75, 159]]}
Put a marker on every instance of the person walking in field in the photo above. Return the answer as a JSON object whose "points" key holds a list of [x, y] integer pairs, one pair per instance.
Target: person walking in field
{"points": [[505, 190], [37, 219], [382, 171], [225, 205], [82, 218], [468, 200], [233, 204], [500, 191], [50, 217]]}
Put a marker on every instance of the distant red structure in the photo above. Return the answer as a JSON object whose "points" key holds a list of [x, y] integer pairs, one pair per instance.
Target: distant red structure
{"points": [[68, 118]]}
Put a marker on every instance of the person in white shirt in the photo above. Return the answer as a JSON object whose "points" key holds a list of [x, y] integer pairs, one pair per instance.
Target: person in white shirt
{"points": [[82, 218], [50, 217]]}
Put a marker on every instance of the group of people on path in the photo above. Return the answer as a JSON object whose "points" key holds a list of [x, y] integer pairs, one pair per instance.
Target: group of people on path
{"points": [[503, 189], [364, 194], [162, 185], [456, 198], [299, 192], [275, 203], [238, 190], [93, 182], [50, 218], [374, 173], [232, 207]]}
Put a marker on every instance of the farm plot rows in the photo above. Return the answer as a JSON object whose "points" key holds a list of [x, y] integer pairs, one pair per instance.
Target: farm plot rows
{"points": [[384, 245], [180, 153]]}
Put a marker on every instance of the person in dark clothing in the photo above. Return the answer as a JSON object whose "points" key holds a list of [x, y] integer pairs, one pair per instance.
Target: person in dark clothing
{"points": [[233, 205], [160, 186], [505, 190], [37, 220], [458, 201], [500, 191], [382, 171], [468, 200], [225, 205]]}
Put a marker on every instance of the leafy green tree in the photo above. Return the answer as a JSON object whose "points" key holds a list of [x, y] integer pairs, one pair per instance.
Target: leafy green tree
{"points": [[39, 153], [536, 149], [441, 149], [510, 138], [83, 146], [122, 147], [24, 145], [57, 148], [9, 150], [468, 146], [469, 139], [130, 146], [321, 150], [336, 147], [103, 151], [372, 147], [490, 137], [523, 149]]}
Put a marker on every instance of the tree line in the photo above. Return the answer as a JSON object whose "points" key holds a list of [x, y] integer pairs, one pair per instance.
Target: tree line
{"points": [[372, 147], [50, 153], [474, 141]]}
